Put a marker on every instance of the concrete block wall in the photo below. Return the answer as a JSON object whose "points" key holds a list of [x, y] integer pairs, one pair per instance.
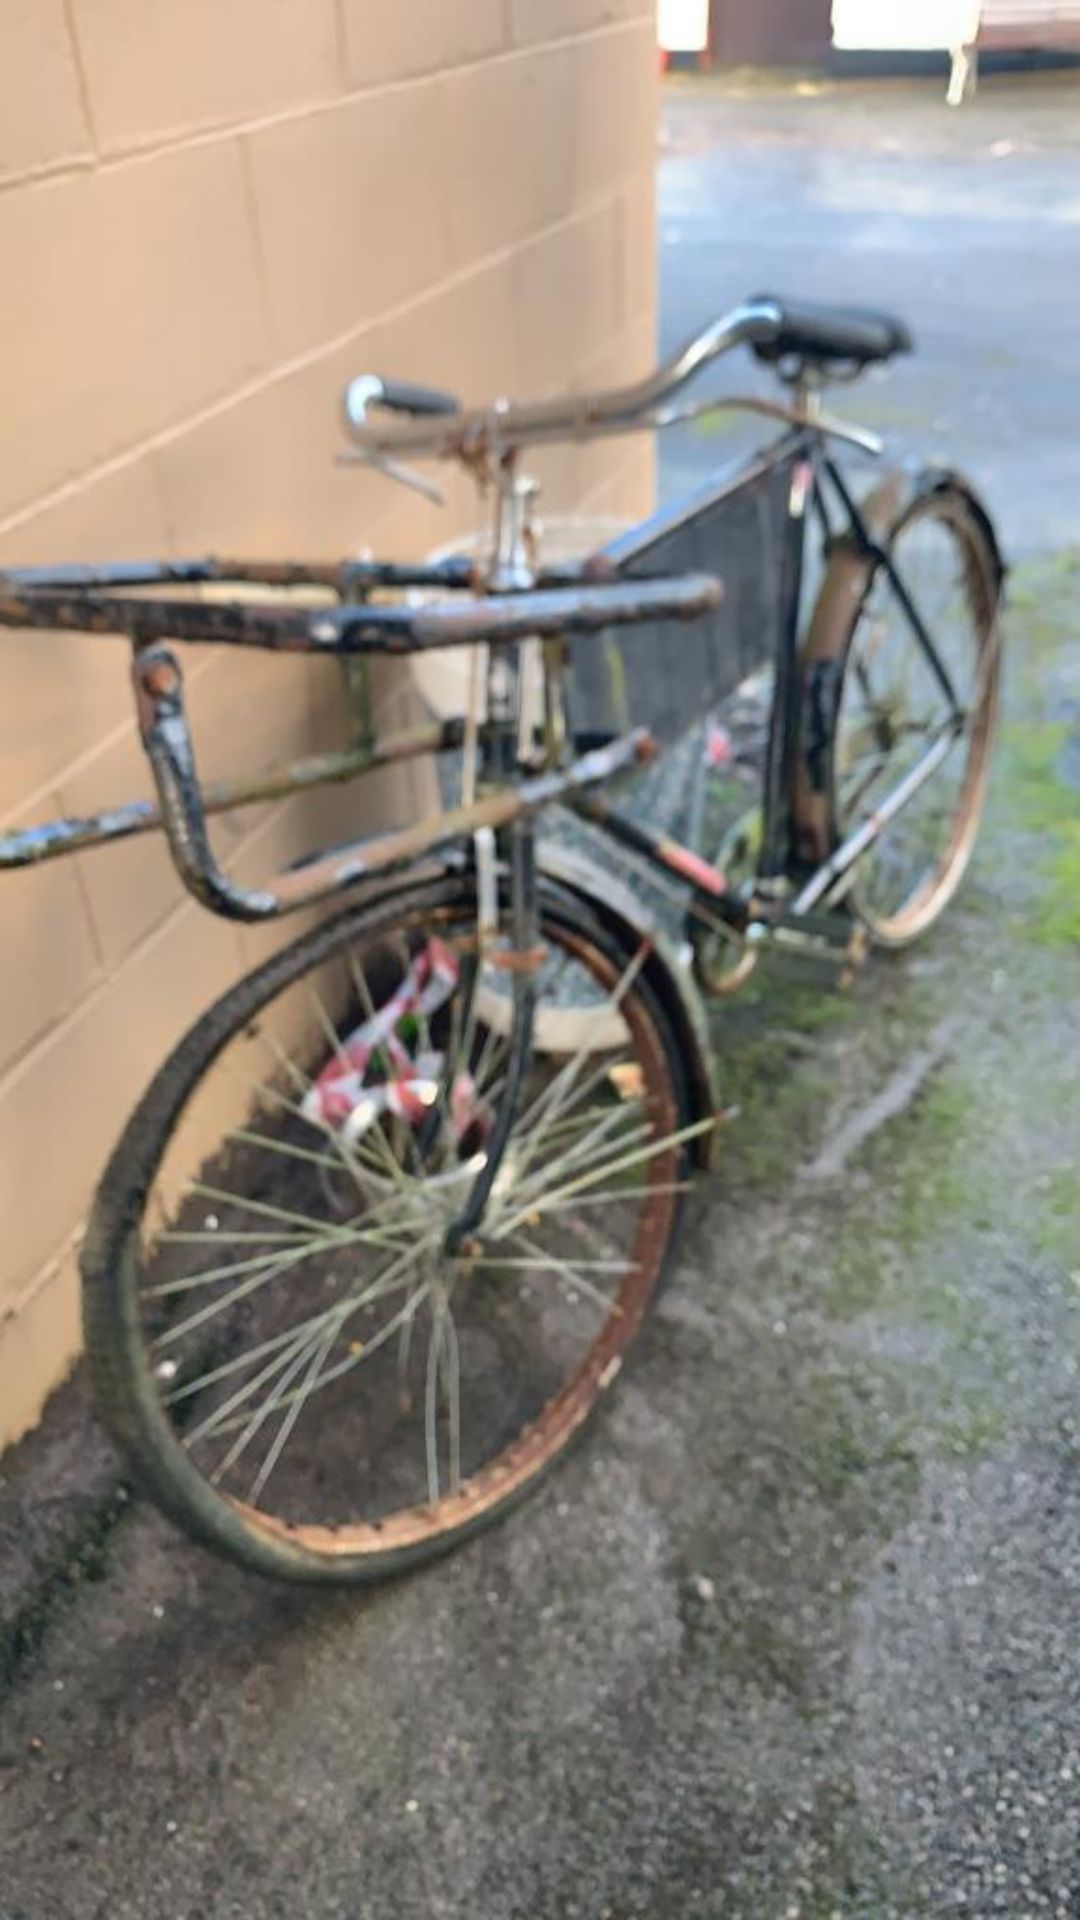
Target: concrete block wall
{"points": [[212, 214]]}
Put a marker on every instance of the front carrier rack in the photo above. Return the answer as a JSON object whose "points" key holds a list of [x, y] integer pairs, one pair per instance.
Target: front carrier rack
{"points": [[127, 600]]}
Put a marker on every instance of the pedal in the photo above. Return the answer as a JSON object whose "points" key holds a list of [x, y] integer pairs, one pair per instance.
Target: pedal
{"points": [[827, 937]]}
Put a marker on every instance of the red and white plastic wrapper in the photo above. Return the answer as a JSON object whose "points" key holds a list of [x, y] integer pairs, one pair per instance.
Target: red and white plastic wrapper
{"points": [[340, 1099]]}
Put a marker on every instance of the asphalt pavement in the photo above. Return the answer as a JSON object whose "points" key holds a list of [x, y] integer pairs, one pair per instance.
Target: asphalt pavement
{"points": [[965, 223]]}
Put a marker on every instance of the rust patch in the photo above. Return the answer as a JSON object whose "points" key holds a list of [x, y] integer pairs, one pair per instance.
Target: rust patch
{"points": [[49, 601], [507, 960]]}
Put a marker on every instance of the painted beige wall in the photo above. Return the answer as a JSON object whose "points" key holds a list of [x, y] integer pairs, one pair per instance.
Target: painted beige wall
{"points": [[210, 215]]}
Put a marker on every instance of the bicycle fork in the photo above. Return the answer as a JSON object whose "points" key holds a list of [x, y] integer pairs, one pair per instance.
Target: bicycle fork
{"points": [[521, 958]]}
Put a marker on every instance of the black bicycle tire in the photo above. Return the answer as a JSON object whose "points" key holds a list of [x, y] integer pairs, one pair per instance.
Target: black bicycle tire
{"points": [[120, 1380]]}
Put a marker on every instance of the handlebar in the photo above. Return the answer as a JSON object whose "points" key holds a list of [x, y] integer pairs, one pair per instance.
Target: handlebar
{"points": [[396, 396], [471, 434]]}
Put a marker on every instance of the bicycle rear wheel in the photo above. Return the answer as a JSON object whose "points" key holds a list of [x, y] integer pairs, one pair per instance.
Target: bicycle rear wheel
{"points": [[873, 706], [296, 1369]]}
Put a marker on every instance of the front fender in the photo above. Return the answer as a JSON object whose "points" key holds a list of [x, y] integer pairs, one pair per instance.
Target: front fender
{"points": [[668, 974]]}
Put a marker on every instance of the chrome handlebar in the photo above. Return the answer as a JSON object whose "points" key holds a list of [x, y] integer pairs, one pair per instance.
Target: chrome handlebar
{"points": [[479, 433]]}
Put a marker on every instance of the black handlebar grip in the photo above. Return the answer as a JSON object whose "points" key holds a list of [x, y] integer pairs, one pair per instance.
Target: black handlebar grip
{"points": [[401, 396]]}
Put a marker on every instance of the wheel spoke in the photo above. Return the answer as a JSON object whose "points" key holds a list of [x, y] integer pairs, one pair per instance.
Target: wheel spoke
{"points": [[264, 1208], [431, 1399], [616, 1194], [573, 1273], [226, 1369], [570, 1101], [261, 1415], [393, 1279], [533, 1122], [611, 1120], [247, 1137], [279, 1261], [270, 1271], [330, 1031], [323, 1240], [277, 1053], [170, 1237], [318, 1361], [360, 982], [555, 1172], [443, 1365], [284, 1360], [358, 1155], [623, 1164]]}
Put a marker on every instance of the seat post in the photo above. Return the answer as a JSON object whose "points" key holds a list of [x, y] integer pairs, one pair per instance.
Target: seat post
{"points": [[806, 389]]}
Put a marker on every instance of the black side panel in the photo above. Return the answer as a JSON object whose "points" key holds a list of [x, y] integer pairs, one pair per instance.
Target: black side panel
{"points": [[668, 674]]}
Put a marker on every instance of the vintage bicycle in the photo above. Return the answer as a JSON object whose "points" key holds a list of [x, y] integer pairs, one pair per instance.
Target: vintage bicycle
{"points": [[380, 1233]]}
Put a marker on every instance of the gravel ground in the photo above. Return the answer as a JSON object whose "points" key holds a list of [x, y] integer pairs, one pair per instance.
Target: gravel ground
{"points": [[793, 1635]]}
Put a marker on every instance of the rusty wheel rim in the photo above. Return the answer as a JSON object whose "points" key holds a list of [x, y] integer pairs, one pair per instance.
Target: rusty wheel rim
{"points": [[637, 1104], [941, 874]]}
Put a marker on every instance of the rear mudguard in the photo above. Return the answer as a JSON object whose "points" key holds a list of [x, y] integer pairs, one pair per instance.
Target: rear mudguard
{"points": [[848, 576], [931, 478], [668, 974], [897, 493]]}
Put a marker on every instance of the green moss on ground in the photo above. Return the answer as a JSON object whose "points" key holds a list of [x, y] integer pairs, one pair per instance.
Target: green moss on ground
{"points": [[903, 1231], [770, 1038], [1031, 789], [1058, 1232], [837, 1442], [908, 1181]]}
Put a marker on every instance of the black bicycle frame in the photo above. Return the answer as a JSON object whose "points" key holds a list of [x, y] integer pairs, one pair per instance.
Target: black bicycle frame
{"points": [[815, 485]]}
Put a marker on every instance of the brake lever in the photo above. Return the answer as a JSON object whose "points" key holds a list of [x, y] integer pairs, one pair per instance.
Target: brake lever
{"points": [[393, 470]]}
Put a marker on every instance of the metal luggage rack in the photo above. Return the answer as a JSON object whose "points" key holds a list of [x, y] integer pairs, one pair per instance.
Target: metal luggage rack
{"points": [[126, 599]]}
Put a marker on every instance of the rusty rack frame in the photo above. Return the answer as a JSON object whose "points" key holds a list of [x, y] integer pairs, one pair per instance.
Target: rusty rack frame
{"points": [[118, 600]]}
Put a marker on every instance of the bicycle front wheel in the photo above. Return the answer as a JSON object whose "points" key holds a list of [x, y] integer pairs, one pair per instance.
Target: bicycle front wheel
{"points": [[876, 706], [298, 1371]]}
